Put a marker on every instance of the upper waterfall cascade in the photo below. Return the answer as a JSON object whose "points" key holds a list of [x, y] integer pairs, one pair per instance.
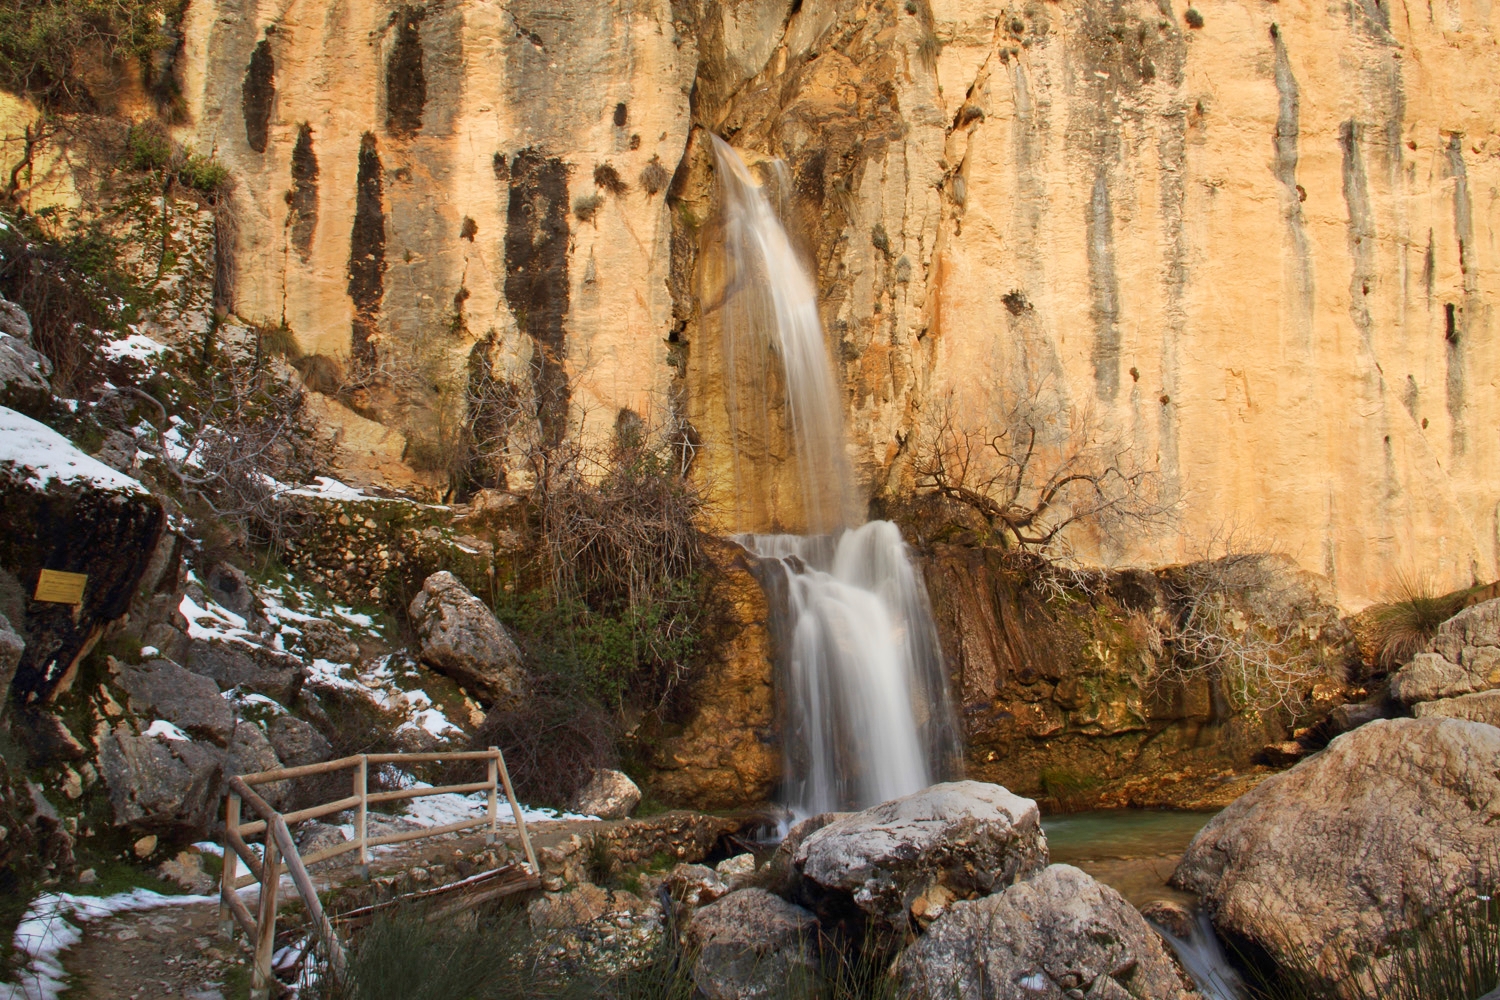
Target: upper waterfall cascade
{"points": [[866, 714]]}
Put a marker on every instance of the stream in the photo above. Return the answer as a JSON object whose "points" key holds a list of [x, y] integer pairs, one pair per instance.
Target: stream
{"points": [[1134, 852]]}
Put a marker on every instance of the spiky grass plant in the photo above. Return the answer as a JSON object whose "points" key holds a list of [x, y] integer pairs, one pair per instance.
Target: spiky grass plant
{"points": [[1400, 628]]}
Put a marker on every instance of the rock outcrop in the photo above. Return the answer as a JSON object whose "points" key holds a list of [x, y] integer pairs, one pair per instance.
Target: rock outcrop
{"points": [[609, 794], [160, 689], [1058, 934], [893, 863], [752, 944], [461, 637], [1464, 657], [81, 517], [1481, 706], [1333, 858]]}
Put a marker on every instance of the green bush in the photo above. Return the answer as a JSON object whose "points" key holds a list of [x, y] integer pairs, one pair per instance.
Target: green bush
{"points": [[43, 42], [1401, 627], [148, 148]]}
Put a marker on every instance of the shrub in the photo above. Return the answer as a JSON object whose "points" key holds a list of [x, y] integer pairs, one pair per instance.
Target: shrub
{"points": [[1401, 627], [42, 42], [552, 743]]}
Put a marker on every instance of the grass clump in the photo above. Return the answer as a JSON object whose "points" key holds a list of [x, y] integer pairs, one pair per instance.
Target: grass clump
{"points": [[1401, 627], [46, 46]]}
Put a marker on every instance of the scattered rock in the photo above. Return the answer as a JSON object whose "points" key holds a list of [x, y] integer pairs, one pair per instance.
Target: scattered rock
{"points": [[741, 866], [1393, 818], [608, 795], [582, 904], [1059, 934], [87, 877], [323, 640], [312, 835], [462, 638], [160, 689], [296, 742], [160, 783], [692, 886], [752, 944], [970, 837], [1481, 706], [145, 846], [186, 870]]}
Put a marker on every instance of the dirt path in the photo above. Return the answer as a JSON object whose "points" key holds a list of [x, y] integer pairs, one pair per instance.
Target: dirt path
{"points": [[176, 952]]}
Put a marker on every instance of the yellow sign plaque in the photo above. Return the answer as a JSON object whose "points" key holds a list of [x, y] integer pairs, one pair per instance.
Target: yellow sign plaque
{"points": [[59, 587]]}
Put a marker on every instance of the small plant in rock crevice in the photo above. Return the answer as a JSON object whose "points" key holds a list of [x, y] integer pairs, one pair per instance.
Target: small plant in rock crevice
{"points": [[1401, 627]]}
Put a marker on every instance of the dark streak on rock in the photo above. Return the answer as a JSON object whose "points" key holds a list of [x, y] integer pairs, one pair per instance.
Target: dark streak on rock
{"points": [[257, 94], [367, 254], [302, 199], [1285, 140], [1361, 231], [1457, 333], [1106, 291], [536, 277], [405, 81]]}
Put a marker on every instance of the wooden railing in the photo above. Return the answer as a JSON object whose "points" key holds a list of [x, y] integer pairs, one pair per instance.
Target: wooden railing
{"points": [[280, 849]]}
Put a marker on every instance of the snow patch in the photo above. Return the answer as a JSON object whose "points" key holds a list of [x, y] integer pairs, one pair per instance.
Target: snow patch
{"points": [[221, 623], [42, 455], [164, 730], [137, 346], [440, 810]]}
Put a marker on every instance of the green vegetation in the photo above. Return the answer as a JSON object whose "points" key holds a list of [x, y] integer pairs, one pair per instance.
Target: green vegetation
{"points": [[1400, 628], [47, 46], [149, 149], [1453, 954]]}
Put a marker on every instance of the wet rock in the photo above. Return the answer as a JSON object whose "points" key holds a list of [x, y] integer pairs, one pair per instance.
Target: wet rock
{"points": [[296, 741], [752, 944], [156, 783], [1171, 916], [80, 517], [1059, 934], [462, 638], [1391, 819], [969, 837], [160, 689], [609, 795], [1480, 706], [11, 648]]}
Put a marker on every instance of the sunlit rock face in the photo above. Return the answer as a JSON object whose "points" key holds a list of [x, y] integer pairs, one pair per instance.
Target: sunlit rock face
{"points": [[1257, 250]]}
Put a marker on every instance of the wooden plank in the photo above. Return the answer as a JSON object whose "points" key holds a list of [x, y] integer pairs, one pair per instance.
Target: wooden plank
{"points": [[229, 874], [426, 831], [302, 771], [311, 812], [309, 894], [467, 893], [231, 901], [241, 848], [422, 793], [515, 811], [426, 758], [261, 974]]}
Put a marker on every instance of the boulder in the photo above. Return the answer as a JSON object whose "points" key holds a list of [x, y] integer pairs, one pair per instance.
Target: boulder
{"points": [[82, 517], [582, 904], [608, 795], [312, 835], [462, 638], [11, 648], [296, 741], [1060, 934], [324, 640], [1480, 706], [752, 944], [160, 689], [159, 783], [692, 886], [250, 752], [1429, 676], [967, 837], [23, 369], [248, 667], [1331, 858], [230, 587]]}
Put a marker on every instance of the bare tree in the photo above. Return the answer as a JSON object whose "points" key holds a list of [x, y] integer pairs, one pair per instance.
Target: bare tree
{"points": [[1032, 474]]}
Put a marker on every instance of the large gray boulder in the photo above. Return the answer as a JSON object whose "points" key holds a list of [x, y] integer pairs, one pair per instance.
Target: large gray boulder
{"points": [[752, 944], [249, 753], [1335, 855], [250, 668], [609, 795], [1058, 935], [1429, 676], [159, 783], [1481, 706], [899, 861], [160, 689], [462, 638], [296, 741], [23, 369]]}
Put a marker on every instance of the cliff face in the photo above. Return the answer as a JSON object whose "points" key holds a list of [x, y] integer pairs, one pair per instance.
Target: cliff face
{"points": [[1256, 249]]}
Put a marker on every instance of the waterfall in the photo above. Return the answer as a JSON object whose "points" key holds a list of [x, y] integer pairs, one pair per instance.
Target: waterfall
{"points": [[865, 710]]}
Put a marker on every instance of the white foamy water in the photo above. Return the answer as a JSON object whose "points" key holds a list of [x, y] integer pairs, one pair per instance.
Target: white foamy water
{"points": [[866, 715]]}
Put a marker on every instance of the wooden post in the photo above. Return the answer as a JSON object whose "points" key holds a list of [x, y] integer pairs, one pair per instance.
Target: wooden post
{"points": [[361, 833], [309, 893], [515, 812], [494, 776], [231, 866], [261, 975]]}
